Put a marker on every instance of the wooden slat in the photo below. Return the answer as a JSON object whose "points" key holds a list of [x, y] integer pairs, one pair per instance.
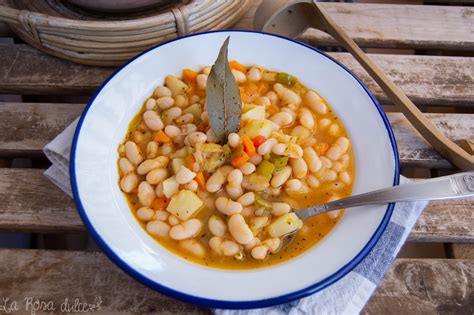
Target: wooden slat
{"points": [[420, 286], [393, 26], [31, 203], [425, 286], [428, 80], [460, 251], [25, 128]]}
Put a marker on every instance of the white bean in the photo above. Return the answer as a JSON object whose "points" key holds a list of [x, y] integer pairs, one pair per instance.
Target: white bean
{"points": [[315, 102], [345, 177], [229, 248], [326, 162], [173, 220], [300, 169], [206, 70], [247, 199], [234, 192], [312, 159], [165, 102], [180, 101], [148, 165], [239, 229], [301, 132], [327, 175], [192, 185], [129, 182], [161, 215], [273, 244], [172, 131], [279, 149], [267, 146], [184, 175], [194, 99], [125, 166], [228, 206], [254, 74], [263, 100], [280, 208], [256, 159], [187, 229], [187, 129], [334, 130], [157, 175], [161, 91], [166, 149], [201, 80], [337, 166], [194, 247], [260, 252], [306, 118], [195, 137], [254, 242], [158, 228], [313, 181], [159, 190], [215, 243], [211, 137], [146, 194], [132, 152], [205, 117], [281, 177], [152, 149], [248, 211], [185, 119], [216, 225], [338, 149], [153, 120], [258, 223], [235, 178], [324, 123], [145, 213], [215, 182], [233, 140], [150, 104], [239, 76], [171, 114], [289, 96], [247, 168], [293, 185], [273, 97], [282, 118]]}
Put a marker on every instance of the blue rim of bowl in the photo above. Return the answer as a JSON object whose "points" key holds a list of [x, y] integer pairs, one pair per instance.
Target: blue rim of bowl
{"points": [[200, 301]]}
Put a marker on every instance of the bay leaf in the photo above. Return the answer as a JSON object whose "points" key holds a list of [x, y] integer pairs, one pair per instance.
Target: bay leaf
{"points": [[224, 106]]}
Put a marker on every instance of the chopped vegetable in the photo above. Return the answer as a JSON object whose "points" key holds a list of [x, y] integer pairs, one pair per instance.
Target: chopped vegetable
{"points": [[201, 180], [185, 204], [284, 225], [259, 140], [161, 137], [195, 110], [189, 75], [160, 203], [176, 85], [176, 164], [214, 155], [279, 162], [255, 113], [237, 66], [239, 159], [286, 79], [249, 148], [253, 128], [265, 169], [170, 187]]}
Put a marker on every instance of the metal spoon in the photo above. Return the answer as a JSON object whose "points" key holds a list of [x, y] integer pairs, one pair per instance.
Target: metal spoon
{"points": [[447, 187]]}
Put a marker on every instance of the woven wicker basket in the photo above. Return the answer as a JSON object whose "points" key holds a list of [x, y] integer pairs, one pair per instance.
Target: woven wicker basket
{"points": [[52, 27]]}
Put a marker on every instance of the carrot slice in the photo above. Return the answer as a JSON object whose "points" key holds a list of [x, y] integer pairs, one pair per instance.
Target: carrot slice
{"points": [[321, 148], [236, 65], [160, 203], [259, 140], [190, 162], [161, 137], [239, 159], [201, 180], [249, 147], [189, 75]]}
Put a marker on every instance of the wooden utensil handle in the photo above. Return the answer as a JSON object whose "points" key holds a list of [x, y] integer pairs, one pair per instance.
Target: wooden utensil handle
{"points": [[438, 140]]}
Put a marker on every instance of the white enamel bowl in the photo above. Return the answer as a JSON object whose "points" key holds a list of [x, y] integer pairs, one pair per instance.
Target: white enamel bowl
{"points": [[103, 208]]}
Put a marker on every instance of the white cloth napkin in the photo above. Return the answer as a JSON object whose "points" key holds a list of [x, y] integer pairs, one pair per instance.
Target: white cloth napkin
{"points": [[347, 296]]}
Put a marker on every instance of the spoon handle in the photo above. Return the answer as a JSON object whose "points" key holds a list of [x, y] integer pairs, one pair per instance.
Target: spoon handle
{"points": [[446, 187]]}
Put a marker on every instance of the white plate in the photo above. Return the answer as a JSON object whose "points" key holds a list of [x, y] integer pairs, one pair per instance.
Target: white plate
{"points": [[103, 208]]}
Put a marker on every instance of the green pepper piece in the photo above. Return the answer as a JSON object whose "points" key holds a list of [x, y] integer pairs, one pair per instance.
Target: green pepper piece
{"points": [[265, 169], [279, 161], [286, 79]]}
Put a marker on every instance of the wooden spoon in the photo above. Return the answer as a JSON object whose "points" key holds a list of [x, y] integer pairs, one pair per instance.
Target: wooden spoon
{"points": [[291, 19]]}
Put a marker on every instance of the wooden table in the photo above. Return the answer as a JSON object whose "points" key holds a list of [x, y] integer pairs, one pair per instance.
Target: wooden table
{"points": [[441, 83]]}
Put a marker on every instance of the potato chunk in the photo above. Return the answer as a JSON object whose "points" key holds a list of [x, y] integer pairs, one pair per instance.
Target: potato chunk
{"points": [[285, 224], [185, 204]]}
